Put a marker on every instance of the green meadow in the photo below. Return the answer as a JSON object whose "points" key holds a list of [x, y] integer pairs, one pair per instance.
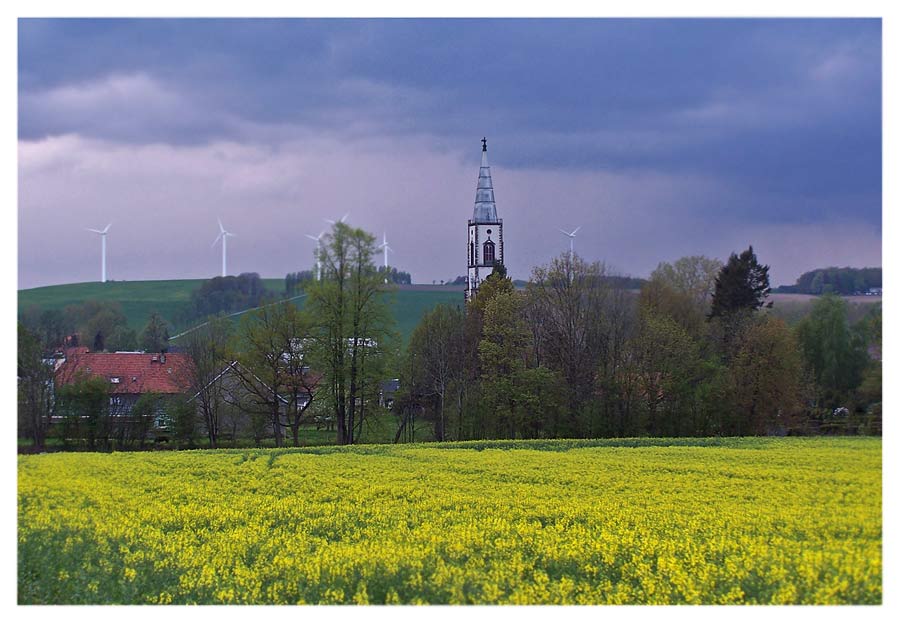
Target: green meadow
{"points": [[169, 298]]}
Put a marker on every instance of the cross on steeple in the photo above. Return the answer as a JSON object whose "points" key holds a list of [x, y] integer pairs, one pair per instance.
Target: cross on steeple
{"points": [[484, 144]]}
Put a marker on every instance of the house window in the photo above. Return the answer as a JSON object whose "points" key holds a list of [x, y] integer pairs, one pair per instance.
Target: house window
{"points": [[115, 379], [489, 252], [115, 401]]}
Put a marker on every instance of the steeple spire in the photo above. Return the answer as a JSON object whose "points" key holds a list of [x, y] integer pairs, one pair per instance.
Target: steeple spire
{"points": [[485, 208]]}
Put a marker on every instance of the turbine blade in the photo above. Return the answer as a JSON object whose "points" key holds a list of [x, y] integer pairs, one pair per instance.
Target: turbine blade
{"points": [[576, 230], [215, 241], [564, 232], [96, 231], [312, 237], [107, 228], [221, 229], [344, 218]]}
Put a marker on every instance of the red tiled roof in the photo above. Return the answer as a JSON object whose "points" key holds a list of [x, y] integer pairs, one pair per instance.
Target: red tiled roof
{"points": [[137, 373]]}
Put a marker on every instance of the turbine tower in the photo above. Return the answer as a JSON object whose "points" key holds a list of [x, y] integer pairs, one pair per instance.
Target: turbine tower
{"points": [[571, 236], [384, 245], [223, 236], [102, 233], [318, 240]]}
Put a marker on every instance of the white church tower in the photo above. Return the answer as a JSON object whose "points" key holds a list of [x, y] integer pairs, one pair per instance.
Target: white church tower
{"points": [[485, 247]]}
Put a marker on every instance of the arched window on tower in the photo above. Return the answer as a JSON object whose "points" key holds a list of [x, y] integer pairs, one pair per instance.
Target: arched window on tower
{"points": [[489, 252], [471, 254]]}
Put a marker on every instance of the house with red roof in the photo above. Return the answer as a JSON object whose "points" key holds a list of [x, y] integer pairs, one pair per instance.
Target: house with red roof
{"points": [[129, 374]]}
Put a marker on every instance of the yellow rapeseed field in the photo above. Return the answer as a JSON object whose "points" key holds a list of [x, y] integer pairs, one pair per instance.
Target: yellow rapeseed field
{"points": [[551, 522]]}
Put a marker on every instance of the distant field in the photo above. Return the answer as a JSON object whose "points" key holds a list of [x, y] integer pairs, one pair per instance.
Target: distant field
{"points": [[779, 297], [629, 521], [141, 298], [794, 307]]}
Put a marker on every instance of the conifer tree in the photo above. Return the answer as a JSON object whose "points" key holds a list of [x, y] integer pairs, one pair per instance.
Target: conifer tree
{"points": [[742, 285]]}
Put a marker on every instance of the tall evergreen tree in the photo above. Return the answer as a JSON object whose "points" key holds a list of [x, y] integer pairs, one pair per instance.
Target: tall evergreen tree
{"points": [[742, 285]]}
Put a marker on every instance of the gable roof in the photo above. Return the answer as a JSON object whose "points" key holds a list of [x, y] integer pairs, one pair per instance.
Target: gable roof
{"points": [[137, 373], [313, 379]]}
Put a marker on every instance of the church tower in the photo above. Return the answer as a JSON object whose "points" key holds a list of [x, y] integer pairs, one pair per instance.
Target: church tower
{"points": [[485, 248]]}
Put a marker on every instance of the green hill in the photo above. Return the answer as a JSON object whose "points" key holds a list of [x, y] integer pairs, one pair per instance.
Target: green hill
{"points": [[168, 298]]}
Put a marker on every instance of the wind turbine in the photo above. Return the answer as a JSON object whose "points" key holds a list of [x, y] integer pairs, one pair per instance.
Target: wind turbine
{"points": [[571, 236], [102, 233], [384, 245], [223, 236], [343, 219], [318, 240]]}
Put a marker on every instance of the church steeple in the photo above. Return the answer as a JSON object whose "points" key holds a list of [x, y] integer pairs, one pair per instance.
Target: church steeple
{"points": [[485, 248], [485, 208]]}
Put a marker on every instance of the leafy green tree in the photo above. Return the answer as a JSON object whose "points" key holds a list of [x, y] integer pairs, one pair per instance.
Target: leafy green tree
{"points": [[143, 415], [84, 405], [496, 283], [834, 353], [35, 388], [766, 378], [667, 361], [228, 294], [354, 323], [102, 326], [182, 418], [683, 291], [296, 282], [869, 331], [741, 286], [437, 345], [275, 343], [51, 326], [565, 307], [395, 276], [510, 390], [155, 336]]}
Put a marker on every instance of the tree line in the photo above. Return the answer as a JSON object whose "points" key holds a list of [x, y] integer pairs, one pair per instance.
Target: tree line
{"points": [[845, 281], [577, 352], [695, 353], [98, 325]]}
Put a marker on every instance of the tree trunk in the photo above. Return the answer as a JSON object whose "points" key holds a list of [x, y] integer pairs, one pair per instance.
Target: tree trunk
{"points": [[276, 422]]}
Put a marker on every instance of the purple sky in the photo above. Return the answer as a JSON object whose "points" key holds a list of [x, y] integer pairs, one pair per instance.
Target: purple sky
{"points": [[660, 138]]}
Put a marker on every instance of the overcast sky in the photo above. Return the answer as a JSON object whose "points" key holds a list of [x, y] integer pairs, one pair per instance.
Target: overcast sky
{"points": [[659, 138]]}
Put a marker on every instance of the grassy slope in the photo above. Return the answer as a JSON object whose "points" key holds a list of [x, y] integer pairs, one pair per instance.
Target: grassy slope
{"points": [[140, 298]]}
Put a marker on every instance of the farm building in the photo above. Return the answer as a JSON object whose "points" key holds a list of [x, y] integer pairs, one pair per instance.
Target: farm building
{"points": [[129, 374]]}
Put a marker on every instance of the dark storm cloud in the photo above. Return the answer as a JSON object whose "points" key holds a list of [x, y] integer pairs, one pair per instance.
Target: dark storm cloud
{"points": [[771, 121]]}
